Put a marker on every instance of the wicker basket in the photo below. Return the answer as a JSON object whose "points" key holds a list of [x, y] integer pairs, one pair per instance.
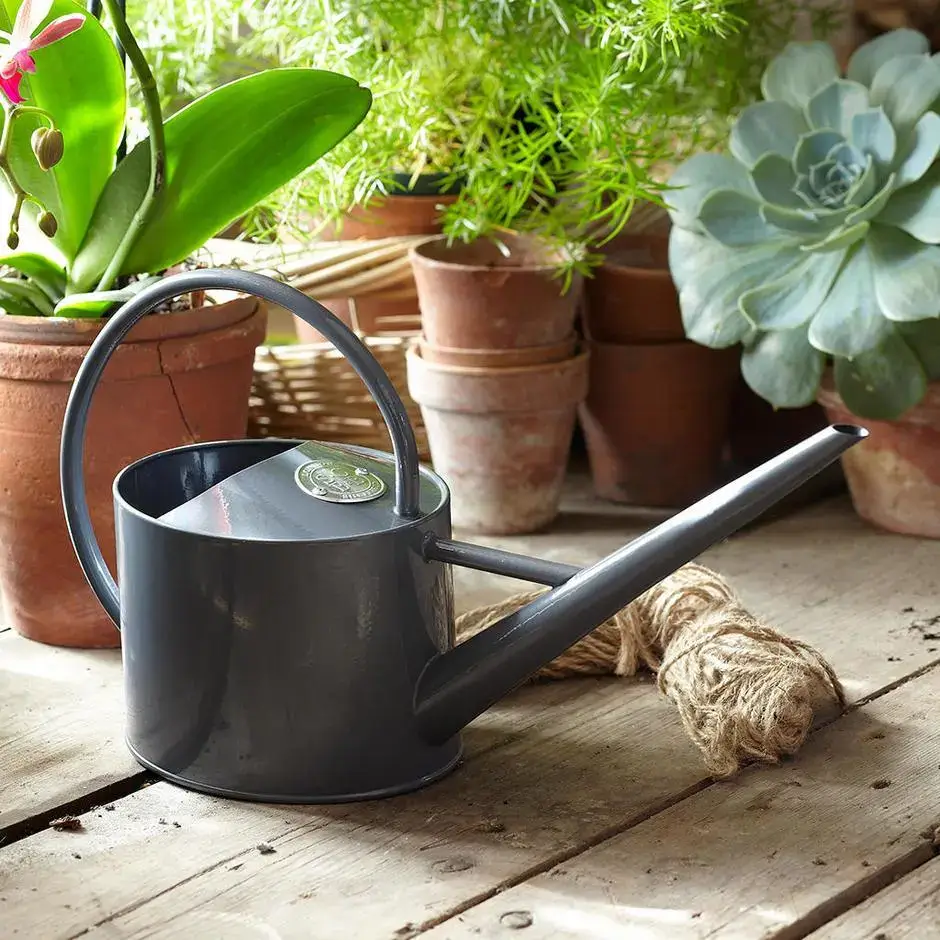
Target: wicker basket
{"points": [[311, 392]]}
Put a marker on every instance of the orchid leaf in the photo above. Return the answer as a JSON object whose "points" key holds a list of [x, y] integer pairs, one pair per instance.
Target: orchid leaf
{"points": [[98, 303], [783, 368], [882, 383], [22, 298], [44, 272], [225, 152], [81, 83]]}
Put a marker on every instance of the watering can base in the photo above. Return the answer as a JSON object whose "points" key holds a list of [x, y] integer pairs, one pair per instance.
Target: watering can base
{"points": [[307, 798]]}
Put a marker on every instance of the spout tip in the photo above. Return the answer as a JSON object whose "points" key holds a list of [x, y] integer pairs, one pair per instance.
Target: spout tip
{"points": [[854, 431]]}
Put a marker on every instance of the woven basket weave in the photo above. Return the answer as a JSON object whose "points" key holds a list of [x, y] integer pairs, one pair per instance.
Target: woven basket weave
{"points": [[311, 392]]}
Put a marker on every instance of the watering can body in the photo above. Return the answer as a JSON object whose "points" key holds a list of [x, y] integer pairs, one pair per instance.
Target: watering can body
{"points": [[287, 609]]}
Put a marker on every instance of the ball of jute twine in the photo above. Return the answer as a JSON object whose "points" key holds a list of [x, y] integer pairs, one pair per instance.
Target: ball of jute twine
{"points": [[744, 691]]}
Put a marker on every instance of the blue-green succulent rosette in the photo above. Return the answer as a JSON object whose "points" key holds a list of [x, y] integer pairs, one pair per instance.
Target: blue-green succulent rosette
{"points": [[817, 238]]}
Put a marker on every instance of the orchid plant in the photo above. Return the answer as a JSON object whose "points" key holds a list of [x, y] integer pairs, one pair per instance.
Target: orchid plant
{"points": [[85, 229]]}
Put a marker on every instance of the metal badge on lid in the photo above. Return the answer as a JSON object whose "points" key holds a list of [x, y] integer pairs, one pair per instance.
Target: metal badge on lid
{"points": [[338, 481]]}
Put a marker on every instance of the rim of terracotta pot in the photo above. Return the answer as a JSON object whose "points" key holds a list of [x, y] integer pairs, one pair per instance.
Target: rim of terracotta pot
{"points": [[581, 353], [81, 331], [483, 255], [614, 255], [925, 412], [565, 350]]}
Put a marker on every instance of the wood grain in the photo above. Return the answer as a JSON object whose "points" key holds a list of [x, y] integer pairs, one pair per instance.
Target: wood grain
{"points": [[772, 854], [550, 771], [61, 726], [909, 909]]}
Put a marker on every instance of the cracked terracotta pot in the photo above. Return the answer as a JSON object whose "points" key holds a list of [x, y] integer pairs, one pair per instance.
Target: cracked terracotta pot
{"points": [[500, 438], [177, 378], [894, 478]]}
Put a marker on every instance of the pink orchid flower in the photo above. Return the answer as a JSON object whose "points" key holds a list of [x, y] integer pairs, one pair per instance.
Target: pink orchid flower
{"points": [[17, 58]]}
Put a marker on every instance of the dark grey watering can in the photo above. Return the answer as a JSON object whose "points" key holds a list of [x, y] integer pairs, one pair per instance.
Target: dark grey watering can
{"points": [[286, 607]]}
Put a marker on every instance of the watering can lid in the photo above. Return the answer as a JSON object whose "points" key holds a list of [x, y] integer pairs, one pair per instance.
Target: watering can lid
{"points": [[313, 492]]}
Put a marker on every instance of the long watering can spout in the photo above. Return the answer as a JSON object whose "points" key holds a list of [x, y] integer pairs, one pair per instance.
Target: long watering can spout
{"points": [[460, 684]]}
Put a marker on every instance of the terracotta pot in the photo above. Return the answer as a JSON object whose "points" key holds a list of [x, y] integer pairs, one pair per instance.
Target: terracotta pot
{"points": [[498, 358], [474, 297], [656, 421], [177, 378], [396, 215], [500, 438], [894, 475], [631, 297]]}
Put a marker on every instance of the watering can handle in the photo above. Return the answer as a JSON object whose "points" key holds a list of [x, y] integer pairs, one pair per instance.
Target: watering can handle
{"points": [[119, 325]]}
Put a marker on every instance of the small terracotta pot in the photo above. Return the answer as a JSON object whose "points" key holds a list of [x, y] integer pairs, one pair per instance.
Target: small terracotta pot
{"points": [[656, 421], [394, 215], [177, 378], [894, 475], [500, 438], [474, 297], [631, 297], [498, 358]]}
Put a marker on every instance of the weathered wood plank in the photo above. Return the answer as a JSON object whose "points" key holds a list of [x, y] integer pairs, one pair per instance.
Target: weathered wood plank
{"points": [[61, 734], [908, 909], [775, 853]]}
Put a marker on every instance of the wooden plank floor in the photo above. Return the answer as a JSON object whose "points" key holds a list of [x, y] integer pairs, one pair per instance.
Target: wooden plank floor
{"points": [[581, 809]]}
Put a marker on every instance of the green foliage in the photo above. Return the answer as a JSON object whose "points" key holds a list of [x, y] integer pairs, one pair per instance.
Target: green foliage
{"points": [[550, 116], [224, 152], [88, 104], [185, 180], [817, 237]]}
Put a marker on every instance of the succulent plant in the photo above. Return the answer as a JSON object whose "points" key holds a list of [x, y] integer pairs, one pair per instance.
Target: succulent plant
{"points": [[816, 238]]}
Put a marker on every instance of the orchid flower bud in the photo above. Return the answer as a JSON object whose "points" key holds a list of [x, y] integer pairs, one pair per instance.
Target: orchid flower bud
{"points": [[47, 224], [48, 146]]}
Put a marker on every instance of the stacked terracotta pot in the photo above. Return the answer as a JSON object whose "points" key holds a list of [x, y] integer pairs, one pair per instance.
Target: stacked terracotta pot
{"points": [[499, 374], [656, 419]]}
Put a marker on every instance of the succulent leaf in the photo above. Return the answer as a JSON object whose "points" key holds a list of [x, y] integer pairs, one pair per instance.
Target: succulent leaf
{"points": [[818, 237], [800, 70], [699, 176], [906, 87], [783, 368], [734, 218], [873, 134], [793, 298], [814, 148], [868, 58], [881, 383], [775, 181], [916, 208], [718, 276], [849, 321], [922, 149], [923, 337], [835, 105], [906, 273], [766, 127]]}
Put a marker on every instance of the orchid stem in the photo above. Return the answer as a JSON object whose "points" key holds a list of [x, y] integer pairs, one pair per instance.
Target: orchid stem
{"points": [[154, 115]]}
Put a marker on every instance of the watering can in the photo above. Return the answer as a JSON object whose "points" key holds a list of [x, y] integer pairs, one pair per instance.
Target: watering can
{"points": [[286, 607]]}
